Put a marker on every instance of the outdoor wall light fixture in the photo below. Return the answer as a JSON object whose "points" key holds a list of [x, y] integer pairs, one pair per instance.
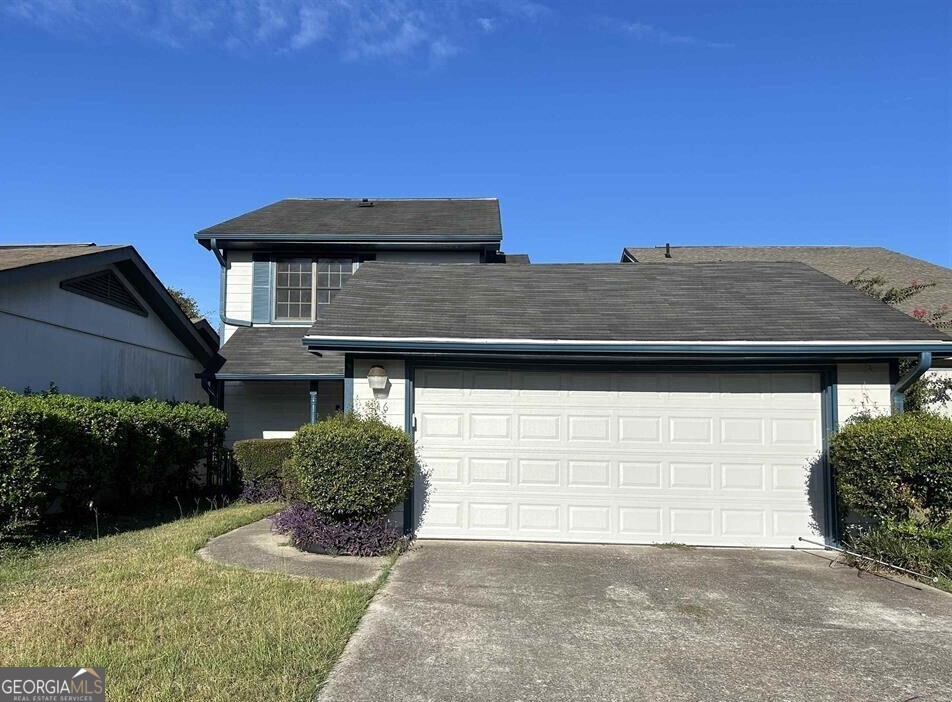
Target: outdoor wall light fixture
{"points": [[377, 378]]}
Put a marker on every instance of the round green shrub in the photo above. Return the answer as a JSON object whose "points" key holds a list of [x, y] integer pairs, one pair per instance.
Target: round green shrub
{"points": [[352, 467], [895, 468]]}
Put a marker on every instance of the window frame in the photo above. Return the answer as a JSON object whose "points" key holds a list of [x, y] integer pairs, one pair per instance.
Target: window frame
{"points": [[355, 262], [275, 287], [328, 288]]}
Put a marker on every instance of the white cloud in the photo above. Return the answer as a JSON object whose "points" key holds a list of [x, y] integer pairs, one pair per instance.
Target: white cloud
{"points": [[647, 32], [356, 29]]}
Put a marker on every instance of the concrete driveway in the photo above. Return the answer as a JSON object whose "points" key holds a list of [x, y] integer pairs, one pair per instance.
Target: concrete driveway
{"points": [[507, 621]]}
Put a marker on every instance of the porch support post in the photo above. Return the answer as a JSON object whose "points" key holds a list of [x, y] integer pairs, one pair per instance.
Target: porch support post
{"points": [[313, 394]]}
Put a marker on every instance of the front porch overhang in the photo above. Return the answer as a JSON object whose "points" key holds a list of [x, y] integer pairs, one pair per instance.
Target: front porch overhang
{"points": [[224, 377]]}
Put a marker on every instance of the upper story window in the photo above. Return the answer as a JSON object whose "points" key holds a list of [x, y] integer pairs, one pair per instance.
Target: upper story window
{"points": [[332, 273], [303, 286], [294, 289]]}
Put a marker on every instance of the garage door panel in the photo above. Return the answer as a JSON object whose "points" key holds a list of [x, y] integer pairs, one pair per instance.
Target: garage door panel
{"points": [[735, 472], [581, 428], [587, 521], [640, 430], [708, 459], [588, 429], [490, 426], [743, 476], [640, 474], [539, 472], [539, 427]]}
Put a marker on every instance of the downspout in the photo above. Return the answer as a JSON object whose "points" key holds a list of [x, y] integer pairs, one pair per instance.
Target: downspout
{"points": [[207, 379], [223, 289], [898, 393]]}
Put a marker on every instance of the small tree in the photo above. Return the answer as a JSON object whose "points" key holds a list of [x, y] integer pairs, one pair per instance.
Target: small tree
{"points": [[926, 392], [188, 303]]}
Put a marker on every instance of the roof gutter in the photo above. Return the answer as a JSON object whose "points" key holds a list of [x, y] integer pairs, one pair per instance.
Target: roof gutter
{"points": [[223, 288], [911, 376], [827, 349], [393, 239]]}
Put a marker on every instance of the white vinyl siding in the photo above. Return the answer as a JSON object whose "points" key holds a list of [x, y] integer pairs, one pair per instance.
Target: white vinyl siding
{"points": [[697, 458], [862, 387], [238, 297], [391, 402], [945, 374]]}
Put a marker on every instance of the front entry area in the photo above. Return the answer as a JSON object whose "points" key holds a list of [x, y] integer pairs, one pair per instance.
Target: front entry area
{"points": [[718, 459]]}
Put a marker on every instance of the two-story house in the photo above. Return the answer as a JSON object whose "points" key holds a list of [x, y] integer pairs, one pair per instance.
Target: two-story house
{"points": [[558, 402], [283, 264]]}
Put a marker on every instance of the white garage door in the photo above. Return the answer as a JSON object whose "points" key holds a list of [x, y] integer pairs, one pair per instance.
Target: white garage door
{"points": [[695, 458]]}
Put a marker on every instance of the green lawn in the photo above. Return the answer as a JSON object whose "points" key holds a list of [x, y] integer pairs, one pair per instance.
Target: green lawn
{"points": [[168, 626]]}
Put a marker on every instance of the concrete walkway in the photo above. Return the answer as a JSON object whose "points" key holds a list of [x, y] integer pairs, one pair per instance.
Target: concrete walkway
{"points": [[461, 621], [255, 547]]}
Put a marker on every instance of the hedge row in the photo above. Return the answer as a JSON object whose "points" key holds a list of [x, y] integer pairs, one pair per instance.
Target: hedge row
{"points": [[61, 452]]}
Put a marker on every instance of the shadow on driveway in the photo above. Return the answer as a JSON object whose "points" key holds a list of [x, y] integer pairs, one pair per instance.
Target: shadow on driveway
{"points": [[510, 621]]}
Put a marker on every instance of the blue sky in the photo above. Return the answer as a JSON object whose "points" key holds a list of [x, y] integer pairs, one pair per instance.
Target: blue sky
{"points": [[598, 124]]}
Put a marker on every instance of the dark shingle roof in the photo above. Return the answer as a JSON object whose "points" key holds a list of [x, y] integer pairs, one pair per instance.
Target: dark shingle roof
{"points": [[841, 262], [278, 351], [329, 218], [20, 256], [611, 302]]}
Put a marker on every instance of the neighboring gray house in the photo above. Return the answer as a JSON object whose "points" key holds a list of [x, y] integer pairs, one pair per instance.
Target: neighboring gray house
{"points": [[95, 321], [562, 402]]}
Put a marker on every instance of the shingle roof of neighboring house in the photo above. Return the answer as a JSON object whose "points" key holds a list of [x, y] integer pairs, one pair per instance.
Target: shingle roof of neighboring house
{"points": [[273, 351], [759, 302], [27, 261], [22, 255], [351, 218], [841, 262]]}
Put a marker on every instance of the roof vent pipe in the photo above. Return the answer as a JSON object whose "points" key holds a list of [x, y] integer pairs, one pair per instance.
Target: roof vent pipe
{"points": [[667, 250]]}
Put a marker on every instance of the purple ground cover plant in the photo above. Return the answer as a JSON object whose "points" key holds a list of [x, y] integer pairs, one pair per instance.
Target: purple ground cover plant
{"points": [[313, 531]]}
